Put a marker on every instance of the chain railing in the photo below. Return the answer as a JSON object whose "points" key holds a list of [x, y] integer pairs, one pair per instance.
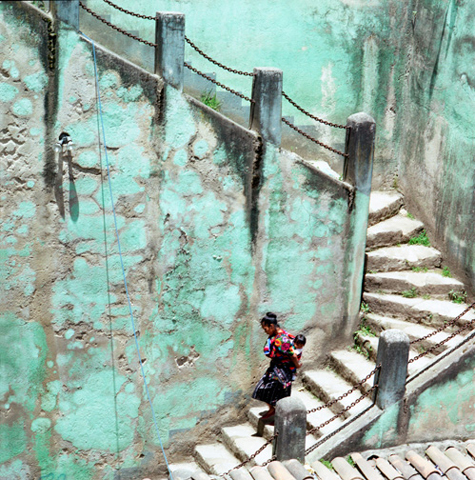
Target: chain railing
{"points": [[353, 404], [212, 60], [115, 27], [211, 79], [444, 341], [187, 65], [129, 12], [221, 65], [187, 40], [306, 135], [344, 395], [253, 456], [444, 326], [313, 117]]}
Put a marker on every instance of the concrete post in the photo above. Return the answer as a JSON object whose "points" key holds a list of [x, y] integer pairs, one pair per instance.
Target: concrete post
{"points": [[358, 170], [393, 354], [68, 12], [266, 109], [291, 425], [170, 49]]}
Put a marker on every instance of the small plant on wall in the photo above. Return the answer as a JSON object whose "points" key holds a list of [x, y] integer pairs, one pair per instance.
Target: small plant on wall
{"points": [[211, 101]]}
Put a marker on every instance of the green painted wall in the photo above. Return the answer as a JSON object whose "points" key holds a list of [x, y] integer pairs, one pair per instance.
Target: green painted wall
{"points": [[201, 264], [338, 58], [409, 64], [205, 255]]}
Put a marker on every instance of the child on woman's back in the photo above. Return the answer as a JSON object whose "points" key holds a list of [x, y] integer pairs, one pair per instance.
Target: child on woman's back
{"points": [[299, 342]]}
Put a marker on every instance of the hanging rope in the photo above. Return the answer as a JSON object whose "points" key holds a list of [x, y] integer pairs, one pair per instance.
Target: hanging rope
{"points": [[120, 255]]}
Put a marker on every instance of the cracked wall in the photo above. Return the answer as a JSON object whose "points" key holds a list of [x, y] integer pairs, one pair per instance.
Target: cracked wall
{"points": [[72, 399]]}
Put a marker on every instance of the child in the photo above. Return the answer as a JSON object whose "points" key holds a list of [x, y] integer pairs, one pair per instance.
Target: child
{"points": [[299, 342]]}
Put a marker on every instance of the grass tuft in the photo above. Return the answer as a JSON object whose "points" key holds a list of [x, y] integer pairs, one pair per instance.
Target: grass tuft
{"points": [[327, 464], [420, 239], [446, 272], [458, 297], [410, 293], [211, 101]]}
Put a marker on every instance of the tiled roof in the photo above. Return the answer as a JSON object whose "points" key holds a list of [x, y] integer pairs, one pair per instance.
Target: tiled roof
{"points": [[447, 461]]}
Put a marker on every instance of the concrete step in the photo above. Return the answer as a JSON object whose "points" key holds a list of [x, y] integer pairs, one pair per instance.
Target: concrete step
{"points": [[413, 331], [383, 205], [397, 229], [419, 364], [403, 257], [317, 418], [253, 417], [424, 283], [417, 310], [242, 441], [352, 366], [327, 386], [371, 345], [368, 344], [215, 458]]}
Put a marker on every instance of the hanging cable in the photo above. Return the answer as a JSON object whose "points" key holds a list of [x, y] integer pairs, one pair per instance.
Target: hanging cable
{"points": [[120, 256]]}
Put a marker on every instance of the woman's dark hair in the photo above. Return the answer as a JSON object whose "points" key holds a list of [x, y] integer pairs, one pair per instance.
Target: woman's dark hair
{"points": [[269, 319]]}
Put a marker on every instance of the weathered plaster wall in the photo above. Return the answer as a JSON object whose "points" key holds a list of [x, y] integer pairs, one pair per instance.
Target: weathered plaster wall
{"points": [[338, 58], [408, 63], [436, 142], [214, 231]]}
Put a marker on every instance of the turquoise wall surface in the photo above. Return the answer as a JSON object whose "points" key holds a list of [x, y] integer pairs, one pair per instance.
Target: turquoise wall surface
{"points": [[409, 64], [212, 229]]}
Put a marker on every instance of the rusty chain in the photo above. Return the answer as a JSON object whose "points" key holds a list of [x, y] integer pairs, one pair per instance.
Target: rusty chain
{"points": [[187, 40], [51, 43], [435, 347], [443, 327], [212, 60], [339, 414], [344, 395], [115, 27], [253, 456], [271, 459], [339, 429], [313, 117], [193, 69], [306, 135], [128, 12]]}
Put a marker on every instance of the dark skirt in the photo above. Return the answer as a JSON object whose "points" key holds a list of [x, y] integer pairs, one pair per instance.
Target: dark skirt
{"points": [[274, 385]]}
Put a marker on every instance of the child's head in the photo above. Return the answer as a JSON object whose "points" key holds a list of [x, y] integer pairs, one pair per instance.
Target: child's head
{"points": [[300, 341]]}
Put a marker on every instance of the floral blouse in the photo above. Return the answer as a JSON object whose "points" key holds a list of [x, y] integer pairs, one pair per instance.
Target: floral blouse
{"points": [[280, 348]]}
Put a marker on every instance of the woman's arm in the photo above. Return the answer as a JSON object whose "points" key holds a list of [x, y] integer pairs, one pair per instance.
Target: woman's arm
{"points": [[295, 360]]}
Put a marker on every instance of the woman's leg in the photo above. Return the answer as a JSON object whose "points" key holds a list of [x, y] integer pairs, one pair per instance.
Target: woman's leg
{"points": [[269, 412]]}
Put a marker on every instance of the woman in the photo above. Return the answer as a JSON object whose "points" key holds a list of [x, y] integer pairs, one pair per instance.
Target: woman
{"points": [[277, 381]]}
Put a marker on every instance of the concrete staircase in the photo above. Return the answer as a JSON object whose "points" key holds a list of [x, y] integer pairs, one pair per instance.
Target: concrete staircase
{"points": [[405, 285], [405, 288]]}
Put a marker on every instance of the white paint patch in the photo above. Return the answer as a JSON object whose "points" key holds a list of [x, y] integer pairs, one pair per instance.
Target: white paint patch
{"points": [[328, 89], [434, 147], [370, 73], [361, 3]]}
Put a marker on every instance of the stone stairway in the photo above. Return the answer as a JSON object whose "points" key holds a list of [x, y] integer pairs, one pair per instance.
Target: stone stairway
{"points": [[406, 289], [405, 285]]}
